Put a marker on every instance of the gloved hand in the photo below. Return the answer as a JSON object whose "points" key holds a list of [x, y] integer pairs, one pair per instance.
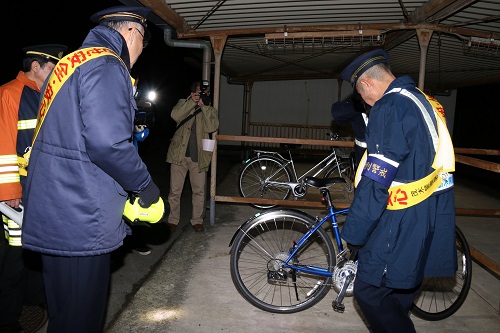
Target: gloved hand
{"points": [[149, 195], [139, 128]]}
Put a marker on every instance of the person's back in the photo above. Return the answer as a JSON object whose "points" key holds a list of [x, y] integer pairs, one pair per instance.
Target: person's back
{"points": [[400, 220], [83, 167], [78, 146]]}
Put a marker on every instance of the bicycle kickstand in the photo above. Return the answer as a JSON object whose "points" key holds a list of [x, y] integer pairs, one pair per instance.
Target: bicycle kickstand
{"points": [[337, 304]]}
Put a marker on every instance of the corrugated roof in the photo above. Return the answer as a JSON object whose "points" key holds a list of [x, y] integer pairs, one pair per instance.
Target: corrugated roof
{"points": [[316, 39]]}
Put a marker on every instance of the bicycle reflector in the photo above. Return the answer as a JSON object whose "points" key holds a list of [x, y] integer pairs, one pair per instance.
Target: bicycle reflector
{"points": [[133, 212]]}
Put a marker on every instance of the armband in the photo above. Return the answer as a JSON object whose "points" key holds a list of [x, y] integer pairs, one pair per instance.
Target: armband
{"points": [[380, 169]]}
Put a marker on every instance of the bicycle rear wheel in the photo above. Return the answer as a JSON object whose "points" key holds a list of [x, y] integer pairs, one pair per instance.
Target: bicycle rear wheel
{"points": [[257, 257], [440, 297], [255, 176]]}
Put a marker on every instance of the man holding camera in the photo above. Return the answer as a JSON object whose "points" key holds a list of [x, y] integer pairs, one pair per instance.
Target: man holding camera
{"points": [[196, 119]]}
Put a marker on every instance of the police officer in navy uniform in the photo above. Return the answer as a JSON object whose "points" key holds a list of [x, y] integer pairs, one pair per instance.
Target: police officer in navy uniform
{"points": [[398, 241], [82, 167]]}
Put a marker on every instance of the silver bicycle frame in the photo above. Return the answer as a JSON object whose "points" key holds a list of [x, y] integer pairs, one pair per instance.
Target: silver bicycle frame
{"points": [[329, 160]]}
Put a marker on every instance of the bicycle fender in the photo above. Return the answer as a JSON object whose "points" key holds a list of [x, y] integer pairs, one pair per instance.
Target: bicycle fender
{"points": [[268, 212], [250, 160]]}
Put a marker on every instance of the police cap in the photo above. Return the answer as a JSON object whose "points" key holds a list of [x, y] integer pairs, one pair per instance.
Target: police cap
{"points": [[362, 63], [136, 14], [52, 52]]}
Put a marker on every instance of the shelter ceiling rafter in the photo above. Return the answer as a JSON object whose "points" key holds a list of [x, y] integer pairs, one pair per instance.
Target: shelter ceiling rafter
{"points": [[468, 31]]}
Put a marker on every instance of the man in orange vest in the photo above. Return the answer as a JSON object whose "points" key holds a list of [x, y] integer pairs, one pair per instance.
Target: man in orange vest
{"points": [[19, 98]]}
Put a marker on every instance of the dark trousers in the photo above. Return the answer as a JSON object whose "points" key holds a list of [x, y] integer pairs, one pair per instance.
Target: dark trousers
{"points": [[385, 309], [77, 292], [21, 282]]}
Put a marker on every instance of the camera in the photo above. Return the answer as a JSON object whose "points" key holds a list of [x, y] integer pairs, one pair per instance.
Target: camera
{"points": [[144, 115], [205, 92]]}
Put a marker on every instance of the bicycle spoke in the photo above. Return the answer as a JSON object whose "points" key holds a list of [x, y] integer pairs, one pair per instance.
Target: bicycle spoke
{"points": [[440, 297], [257, 264], [266, 178]]}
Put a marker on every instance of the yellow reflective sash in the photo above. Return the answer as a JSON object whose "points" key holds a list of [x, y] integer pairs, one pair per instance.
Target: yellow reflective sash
{"points": [[445, 154], [406, 195], [62, 71], [410, 194]]}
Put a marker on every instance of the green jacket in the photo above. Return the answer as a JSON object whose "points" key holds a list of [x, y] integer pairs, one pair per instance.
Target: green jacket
{"points": [[207, 121]]}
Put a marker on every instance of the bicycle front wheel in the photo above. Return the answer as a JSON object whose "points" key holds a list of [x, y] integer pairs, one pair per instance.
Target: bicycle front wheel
{"points": [[258, 255], [264, 177], [440, 297]]}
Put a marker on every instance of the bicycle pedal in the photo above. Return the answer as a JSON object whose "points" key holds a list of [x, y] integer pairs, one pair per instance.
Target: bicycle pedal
{"points": [[340, 308]]}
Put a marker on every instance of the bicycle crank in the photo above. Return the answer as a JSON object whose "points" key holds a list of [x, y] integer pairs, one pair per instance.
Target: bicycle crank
{"points": [[343, 283], [339, 277]]}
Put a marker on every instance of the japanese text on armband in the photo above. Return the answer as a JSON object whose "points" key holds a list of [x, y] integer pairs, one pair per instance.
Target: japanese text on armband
{"points": [[380, 169]]}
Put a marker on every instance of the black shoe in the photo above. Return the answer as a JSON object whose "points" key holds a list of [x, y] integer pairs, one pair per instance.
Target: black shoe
{"points": [[143, 250], [198, 228], [172, 227]]}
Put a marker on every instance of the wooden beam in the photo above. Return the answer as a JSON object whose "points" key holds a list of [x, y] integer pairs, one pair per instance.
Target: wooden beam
{"points": [[167, 14], [438, 10], [482, 259], [334, 143], [344, 27], [292, 203], [477, 151], [477, 212], [318, 204], [486, 165]]}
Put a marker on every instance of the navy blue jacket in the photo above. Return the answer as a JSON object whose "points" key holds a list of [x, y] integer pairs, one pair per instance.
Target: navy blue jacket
{"points": [[403, 244], [83, 160], [352, 111]]}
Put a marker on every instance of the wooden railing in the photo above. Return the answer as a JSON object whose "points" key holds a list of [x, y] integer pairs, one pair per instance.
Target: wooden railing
{"points": [[289, 131], [475, 162]]}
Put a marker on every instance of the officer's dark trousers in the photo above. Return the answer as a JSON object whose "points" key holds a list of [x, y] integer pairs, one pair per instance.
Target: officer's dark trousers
{"points": [[385, 309], [21, 282], [77, 292]]}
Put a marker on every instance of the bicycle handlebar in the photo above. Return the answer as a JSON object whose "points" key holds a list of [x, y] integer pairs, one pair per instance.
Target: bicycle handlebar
{"points": [[333, 136]]}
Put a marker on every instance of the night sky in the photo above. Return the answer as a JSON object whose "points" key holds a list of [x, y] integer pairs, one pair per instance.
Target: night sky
{"points": [[160, 67]]}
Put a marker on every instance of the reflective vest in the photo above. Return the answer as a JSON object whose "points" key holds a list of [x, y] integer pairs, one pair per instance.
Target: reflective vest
{"points": [[18, 105], [404, 195]]}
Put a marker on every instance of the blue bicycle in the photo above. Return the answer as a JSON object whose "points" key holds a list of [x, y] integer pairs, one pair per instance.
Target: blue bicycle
{"points": [[284, 261]]}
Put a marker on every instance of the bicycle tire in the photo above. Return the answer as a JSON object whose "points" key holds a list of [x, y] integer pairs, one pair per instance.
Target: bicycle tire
{"points": [[252, 180], [256, 253], [440, 297]]}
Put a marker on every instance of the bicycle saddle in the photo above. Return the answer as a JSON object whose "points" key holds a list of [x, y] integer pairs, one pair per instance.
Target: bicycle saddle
{"points": [[323, 182]]}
